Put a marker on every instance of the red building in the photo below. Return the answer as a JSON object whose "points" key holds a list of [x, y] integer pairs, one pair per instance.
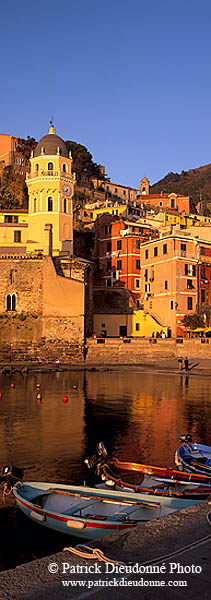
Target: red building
{"points": [[118, 242]]}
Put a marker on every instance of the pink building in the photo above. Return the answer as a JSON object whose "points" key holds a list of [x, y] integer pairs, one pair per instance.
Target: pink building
{"points": [[170, 279]]}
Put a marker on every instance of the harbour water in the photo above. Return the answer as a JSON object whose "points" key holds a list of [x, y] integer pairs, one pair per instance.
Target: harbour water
{"points": [[138, 416]]}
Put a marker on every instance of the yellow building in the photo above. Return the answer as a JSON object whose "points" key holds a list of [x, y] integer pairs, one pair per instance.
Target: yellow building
{"points": [[182, 220], [117, 209], [13, 230], [50, 188]]}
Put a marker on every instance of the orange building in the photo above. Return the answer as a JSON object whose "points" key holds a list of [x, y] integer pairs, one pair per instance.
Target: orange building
{"points": [[164, 201], [11, 156], [175, 278], [118, 242], [8, 144]]}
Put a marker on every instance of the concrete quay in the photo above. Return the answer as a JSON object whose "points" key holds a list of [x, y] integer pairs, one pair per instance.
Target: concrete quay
{"points": [[169, 558], [197, 366]]}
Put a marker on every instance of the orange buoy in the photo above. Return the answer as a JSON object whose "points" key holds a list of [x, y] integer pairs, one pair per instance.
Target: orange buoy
{"points": [[65, 399], [12, 385]]}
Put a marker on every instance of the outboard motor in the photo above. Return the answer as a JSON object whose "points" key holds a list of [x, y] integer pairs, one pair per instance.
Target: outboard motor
{"points": [[11, 474], [101, 450], [98, 458], [185, 438]]}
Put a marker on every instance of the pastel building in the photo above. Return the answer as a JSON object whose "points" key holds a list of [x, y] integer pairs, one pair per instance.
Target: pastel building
{"points": [[127, 194], [8, 145], [164, 201], [118, 243], [175, 278]]}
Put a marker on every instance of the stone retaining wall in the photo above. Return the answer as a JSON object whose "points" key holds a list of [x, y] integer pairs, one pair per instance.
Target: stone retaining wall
{"points": [[136, 351]]}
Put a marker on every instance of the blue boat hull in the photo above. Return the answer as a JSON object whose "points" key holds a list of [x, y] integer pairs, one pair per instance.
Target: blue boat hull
{"points": [[194, 458], [76, 521]]}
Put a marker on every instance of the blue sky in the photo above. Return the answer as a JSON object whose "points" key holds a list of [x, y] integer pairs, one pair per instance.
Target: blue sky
{"points": [[129, 79]]}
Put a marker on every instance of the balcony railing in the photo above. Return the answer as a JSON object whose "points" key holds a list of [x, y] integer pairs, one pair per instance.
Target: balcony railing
{"points": [[50, 173]]}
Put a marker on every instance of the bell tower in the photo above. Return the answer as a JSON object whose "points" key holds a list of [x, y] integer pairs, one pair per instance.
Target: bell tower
{"points": [[144, 187], [51, 187]]}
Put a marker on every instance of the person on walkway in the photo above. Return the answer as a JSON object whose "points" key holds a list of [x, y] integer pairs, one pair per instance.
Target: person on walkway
{"points": [[186, 361], [180, 363]]}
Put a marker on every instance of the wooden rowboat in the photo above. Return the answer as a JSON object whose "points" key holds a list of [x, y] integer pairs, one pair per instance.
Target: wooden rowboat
{"points": [[92, 513]]}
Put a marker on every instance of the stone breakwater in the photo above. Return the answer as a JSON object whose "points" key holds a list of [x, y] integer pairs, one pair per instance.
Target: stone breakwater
{"points": [[179, 544]]}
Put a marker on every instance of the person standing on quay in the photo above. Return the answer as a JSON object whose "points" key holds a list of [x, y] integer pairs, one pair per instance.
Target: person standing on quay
{"points": [[180, 363], [186, 361]]}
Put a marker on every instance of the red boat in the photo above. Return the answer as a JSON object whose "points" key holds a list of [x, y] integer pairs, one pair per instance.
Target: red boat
{"points": [[105, 465]]}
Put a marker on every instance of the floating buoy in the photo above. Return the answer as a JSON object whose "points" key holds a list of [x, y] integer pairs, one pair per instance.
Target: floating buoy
{"points": [[12, 385], [65, 399], [75, 387]]}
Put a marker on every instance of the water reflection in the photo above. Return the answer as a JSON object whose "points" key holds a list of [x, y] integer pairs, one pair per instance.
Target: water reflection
{"points": [[139, 417]]}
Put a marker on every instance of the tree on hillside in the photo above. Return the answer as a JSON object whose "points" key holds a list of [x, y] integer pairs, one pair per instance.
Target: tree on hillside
{"points": [[26, 147], [82, 161]]}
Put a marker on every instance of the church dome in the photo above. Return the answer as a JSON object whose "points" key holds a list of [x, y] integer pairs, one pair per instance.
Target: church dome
{"points": [[50, 144]]}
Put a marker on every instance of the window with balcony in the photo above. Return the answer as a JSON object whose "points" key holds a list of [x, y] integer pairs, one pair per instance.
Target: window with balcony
{"points": [[190, 303], [64, 168]]}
